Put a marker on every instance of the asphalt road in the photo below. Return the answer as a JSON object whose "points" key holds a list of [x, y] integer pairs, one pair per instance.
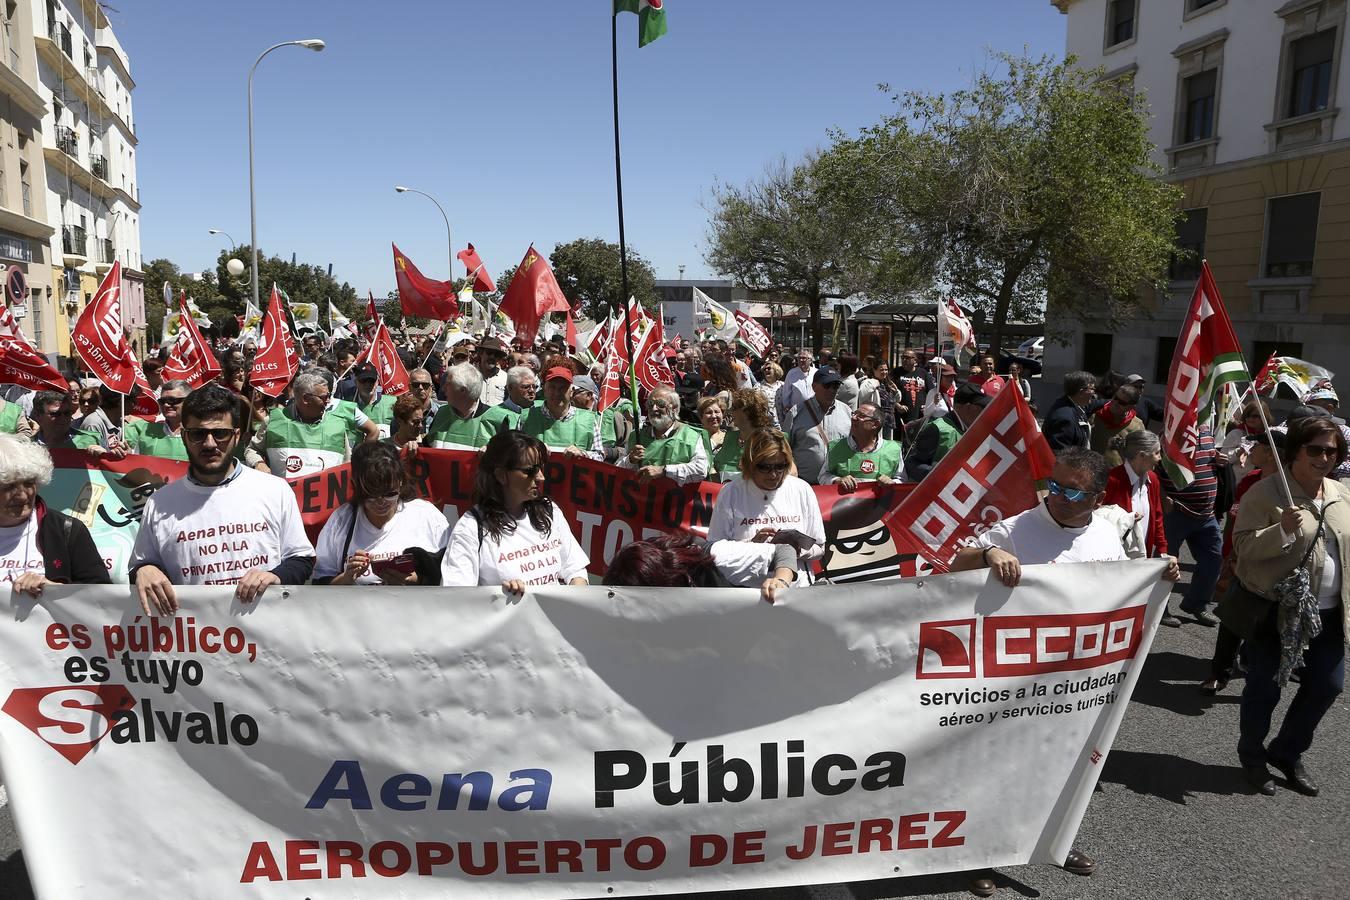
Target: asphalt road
{"points": [[1172, 817]]}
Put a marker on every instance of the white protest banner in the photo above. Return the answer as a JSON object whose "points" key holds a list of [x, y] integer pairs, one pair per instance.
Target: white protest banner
{"points": [[419, 742]]}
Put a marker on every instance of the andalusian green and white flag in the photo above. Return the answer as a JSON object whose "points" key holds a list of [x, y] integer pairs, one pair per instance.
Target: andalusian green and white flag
{"points": [[651, 17]]}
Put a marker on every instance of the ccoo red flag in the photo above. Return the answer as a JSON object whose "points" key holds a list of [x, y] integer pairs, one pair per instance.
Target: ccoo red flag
{"points": [[616, 368], [473, 264], [420, 295], [98, 338], [383, 355], [989, 475], [532, 294], [652, 370], [276, 361], [190, 360], [754, 335]]}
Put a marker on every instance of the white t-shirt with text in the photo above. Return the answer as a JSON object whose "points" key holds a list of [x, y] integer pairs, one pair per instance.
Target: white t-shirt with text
{"points": [[416, 524], [742, 509], [19, 553], [215, 534], [525, 554], [1034, 537]]}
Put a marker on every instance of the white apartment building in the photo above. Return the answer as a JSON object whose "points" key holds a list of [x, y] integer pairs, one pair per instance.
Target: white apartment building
{"points": [[1244, 96], [89, 146]]}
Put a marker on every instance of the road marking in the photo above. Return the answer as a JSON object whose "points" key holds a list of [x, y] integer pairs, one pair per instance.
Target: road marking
{"points": [[4, 796]]}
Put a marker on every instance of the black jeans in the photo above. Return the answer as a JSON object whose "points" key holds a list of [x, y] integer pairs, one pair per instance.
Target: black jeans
{"points": [[1226, 645], [1320, 684]]}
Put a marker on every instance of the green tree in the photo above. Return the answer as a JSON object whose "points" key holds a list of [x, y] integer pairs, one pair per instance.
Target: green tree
{"points": [[588, 270], [1036, 183], [302, 282], [786, 234]]}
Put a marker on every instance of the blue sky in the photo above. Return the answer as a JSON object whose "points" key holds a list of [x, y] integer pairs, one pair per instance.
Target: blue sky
{"points": [[501, 110]]}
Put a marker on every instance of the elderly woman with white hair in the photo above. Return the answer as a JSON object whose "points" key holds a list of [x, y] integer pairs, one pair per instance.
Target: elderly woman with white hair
{"points": [[39, 546]]}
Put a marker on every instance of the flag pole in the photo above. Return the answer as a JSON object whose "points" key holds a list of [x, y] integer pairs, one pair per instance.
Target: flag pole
{"points": [[623, 245]]}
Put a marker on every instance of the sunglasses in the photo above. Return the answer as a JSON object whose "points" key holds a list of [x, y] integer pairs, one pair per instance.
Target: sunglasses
{"points": [[199, 435], [771, 468], [171, 401], [1073, 495], [1317, 451], [530, 472], [421, 385]]}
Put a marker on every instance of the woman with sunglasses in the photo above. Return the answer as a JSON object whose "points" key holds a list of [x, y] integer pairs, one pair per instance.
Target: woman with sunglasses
{"points": [[165, 437], [1272, 539], [766, 504], [371, 540], [750, 410], [39, 546], [409, 421], [513, 535]]}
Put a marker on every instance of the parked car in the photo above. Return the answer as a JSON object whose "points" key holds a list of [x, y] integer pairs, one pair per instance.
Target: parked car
{"points": [[1032, 348]]}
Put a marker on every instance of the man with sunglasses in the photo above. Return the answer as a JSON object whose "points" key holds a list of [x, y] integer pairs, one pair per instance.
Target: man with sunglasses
{"points": [[465, 422], [54, 415], [223, 524], [1062, 529], [863, 454], [664, 446], [488, 357], [816, 423], [165, 437]]}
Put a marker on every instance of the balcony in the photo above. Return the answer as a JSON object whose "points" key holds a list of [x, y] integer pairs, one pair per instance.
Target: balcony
{"points": [[74, 245], [60, 36], [99, 166], [67, 141], [106, 255]]}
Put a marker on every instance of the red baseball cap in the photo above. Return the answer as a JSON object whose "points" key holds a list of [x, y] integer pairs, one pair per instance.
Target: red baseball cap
{"points": [[562, 372]]}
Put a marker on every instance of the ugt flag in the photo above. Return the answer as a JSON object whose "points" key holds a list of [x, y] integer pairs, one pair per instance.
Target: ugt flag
{"points": [[191, 359], [99, 340], [1208, 356], [276, 361], [384, 357]]}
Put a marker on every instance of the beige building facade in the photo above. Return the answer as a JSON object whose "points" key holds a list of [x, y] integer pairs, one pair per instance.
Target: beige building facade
{"points": [[1244, 97]]}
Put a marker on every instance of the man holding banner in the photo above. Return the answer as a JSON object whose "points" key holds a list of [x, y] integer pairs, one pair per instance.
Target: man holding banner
{"points": [[223, 524]]}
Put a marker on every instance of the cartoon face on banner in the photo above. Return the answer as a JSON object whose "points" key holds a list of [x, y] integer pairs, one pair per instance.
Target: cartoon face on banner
{"points": [[109, 503], [859, 545]]}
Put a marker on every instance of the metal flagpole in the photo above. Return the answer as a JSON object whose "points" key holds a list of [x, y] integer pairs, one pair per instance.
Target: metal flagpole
{"points": [[623, 245]]}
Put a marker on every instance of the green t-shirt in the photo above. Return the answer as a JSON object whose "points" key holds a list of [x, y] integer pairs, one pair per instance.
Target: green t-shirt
{"points": [[76, 440], [726, 462], [153, 439], [884, 459], [300, 448], [9, 417], [673, 450], [381, 412], [450, 431], [576, 430]]}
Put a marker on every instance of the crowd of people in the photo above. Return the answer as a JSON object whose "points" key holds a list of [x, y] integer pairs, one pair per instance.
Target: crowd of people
{"points": [[1268, 573]]}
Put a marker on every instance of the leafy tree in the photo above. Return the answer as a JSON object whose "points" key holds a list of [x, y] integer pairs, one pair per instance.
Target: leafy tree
{"points": [[589, 271], [1035, 183], [786, 234], [303, 283]]}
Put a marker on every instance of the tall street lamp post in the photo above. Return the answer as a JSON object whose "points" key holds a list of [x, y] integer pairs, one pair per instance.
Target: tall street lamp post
{"points": [[450, 244]]}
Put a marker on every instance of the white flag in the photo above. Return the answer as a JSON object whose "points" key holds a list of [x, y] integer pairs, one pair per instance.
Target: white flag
{"points": [[713, 318]]}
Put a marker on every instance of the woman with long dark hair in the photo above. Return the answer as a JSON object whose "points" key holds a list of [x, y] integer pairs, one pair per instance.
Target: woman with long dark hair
{"points": [[374, 538], [514, 535]]}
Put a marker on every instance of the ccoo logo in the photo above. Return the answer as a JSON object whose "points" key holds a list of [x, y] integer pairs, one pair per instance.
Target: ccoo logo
{"points": [[70, 719], [1014, 646]]}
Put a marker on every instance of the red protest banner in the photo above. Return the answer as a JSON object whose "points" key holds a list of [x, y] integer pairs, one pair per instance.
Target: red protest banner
{"points": [[989, 475], [383, 355]]}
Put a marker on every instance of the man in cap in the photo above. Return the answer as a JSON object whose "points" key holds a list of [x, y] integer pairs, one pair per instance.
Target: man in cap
{"points": [[1148, 410], [488, 357], [940, 435], [372, 400], [816, 423], [584, 392], [664, 446], [559, 424], [863, 454]]}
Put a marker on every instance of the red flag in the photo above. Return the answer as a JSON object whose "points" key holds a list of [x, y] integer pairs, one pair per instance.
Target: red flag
{"points": [[420, 295], [616, 369], [599, 338], [1265, 379], [146, 405], [21, 364], [571, 335], [98, 338], [473, 264], [190, 359], [389, 368], [532, 294], [1208, 356], [989, 475], [276, 362], [753, 334], [8, 326]]}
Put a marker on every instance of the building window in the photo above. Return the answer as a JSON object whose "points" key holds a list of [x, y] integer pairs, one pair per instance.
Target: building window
{"points": [[26, 187], [1097, 353], [1197, 5], [1291, 235], [1198, 94], [1162, 362], [1185, 264], [1310, 72], [1120, 16]]}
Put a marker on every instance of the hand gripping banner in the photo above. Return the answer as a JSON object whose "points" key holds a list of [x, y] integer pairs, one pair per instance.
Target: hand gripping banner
{"points": [[579, 742]]}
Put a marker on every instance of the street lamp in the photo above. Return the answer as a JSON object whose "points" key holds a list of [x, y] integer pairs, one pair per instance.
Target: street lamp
{"points": [[310, 44], [226, 233], [449, 242]]}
